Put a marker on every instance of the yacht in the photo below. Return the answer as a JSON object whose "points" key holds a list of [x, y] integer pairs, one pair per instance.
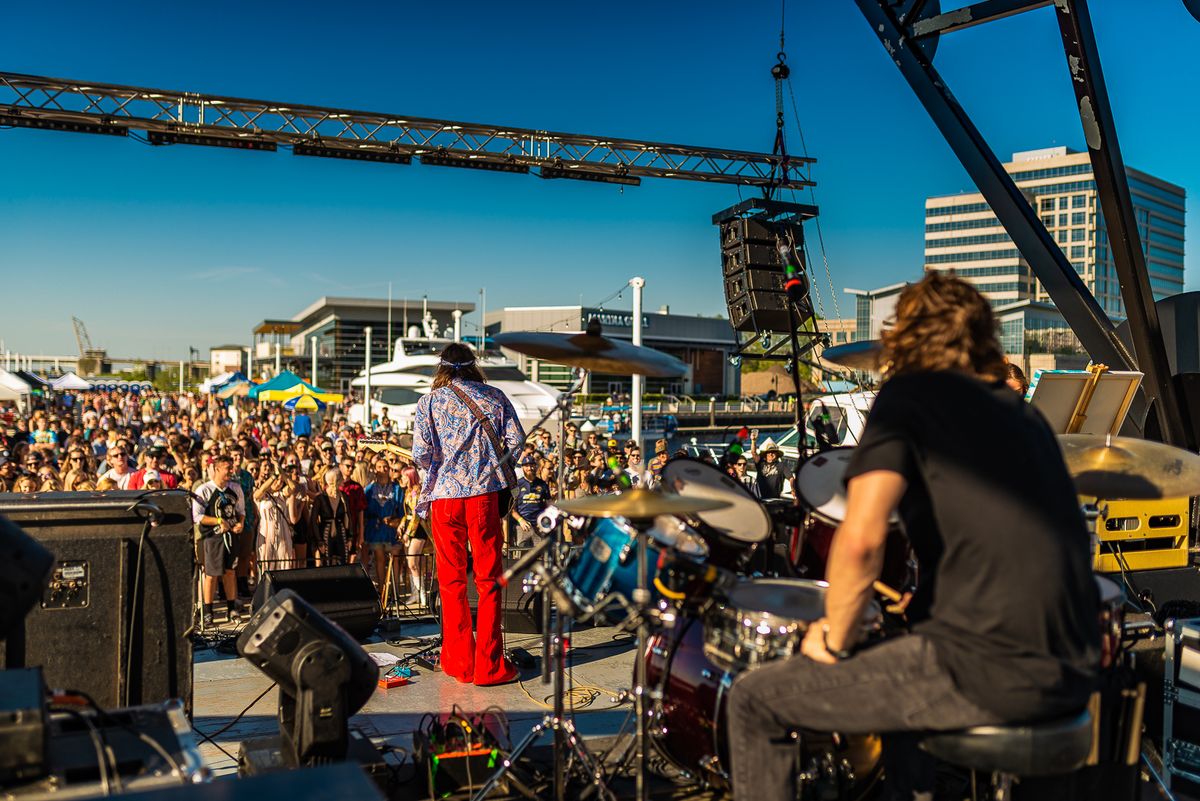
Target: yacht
{"points": [[397, 385]]}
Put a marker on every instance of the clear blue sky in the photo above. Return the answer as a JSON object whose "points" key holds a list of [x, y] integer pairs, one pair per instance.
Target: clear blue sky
{"points": [[157, 249]]}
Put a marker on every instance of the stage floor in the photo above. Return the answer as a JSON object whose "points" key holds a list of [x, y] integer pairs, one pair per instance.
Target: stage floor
{"points": [[225, 684]]}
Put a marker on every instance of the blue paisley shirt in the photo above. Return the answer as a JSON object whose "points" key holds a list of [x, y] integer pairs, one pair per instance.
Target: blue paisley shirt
{"points": [[452, 447]]}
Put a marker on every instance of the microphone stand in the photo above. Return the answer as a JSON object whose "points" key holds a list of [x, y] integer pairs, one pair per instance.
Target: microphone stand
{"points": [[553, 651]]}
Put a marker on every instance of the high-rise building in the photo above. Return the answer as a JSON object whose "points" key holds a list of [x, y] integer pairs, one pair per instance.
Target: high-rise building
{"points": [[962, 233]]}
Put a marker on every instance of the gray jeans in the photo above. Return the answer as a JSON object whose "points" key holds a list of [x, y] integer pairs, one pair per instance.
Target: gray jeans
{"points": [[894, 686]]}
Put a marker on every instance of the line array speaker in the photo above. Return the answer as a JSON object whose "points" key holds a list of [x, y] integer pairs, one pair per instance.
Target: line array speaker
{"points": [[755, 273]]}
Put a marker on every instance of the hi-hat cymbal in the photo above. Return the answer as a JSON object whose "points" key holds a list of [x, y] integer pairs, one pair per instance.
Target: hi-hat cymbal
{"points": [[593, 351], [862, 355], [638, 504], [1123, 467]]}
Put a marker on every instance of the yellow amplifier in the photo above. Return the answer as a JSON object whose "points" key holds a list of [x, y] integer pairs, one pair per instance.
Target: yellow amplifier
{"points": [[1143, 535]]}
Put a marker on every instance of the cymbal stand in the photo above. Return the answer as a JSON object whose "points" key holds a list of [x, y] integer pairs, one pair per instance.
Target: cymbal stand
{"points": [[549, 573]]}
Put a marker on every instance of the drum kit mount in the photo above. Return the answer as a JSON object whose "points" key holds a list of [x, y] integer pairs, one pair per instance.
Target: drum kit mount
{"points": [[672, 565]]}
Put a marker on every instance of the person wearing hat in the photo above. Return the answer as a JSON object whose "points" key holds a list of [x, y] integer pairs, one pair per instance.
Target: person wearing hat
{"points": [[772, 477], [154, 460], [532, 497], [655, 465]]}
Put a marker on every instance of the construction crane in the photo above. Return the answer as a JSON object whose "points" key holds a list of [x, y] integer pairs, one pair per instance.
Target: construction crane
{"points": [[81, 337]]}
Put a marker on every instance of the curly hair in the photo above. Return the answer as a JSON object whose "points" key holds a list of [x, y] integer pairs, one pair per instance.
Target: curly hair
{"points": [[943, 323]]}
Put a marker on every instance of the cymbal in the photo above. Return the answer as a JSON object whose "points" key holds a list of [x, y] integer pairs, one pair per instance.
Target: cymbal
{"points": [[593, 351], [638, 504], [863, 355], [1127, 468]]}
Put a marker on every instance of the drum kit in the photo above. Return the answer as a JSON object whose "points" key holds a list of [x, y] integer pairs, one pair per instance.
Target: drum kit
{"points": [[677, 565]]}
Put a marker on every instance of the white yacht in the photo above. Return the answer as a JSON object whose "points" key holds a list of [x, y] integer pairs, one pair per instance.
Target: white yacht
{"points": [[397, 385]]}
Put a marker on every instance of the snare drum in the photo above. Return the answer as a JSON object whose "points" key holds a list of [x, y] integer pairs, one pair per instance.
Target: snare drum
{"points": [[821, 490], [733, 532]]}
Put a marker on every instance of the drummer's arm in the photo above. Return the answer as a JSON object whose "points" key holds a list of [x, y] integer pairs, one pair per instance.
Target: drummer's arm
{"points": [[856, 554]]}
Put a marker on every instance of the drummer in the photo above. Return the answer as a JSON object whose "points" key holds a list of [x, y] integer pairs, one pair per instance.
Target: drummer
{"points": [[1010, 634]]}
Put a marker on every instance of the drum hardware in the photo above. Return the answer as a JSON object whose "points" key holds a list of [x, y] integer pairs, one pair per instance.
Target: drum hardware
{"points": [[1104, 466], [593, 351]]}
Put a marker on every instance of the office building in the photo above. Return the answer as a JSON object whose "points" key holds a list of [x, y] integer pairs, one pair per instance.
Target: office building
{"points": [[872, 308], [703, 343], [962, 233], [338, 325]]}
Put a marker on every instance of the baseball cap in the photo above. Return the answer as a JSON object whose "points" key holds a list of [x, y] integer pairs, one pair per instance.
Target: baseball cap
{"points": [[156, 450], [660, 446], [528, 460], [151, 475]]}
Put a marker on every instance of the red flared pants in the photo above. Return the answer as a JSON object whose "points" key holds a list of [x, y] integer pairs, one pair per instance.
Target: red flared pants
{"points": [[468, 656]]}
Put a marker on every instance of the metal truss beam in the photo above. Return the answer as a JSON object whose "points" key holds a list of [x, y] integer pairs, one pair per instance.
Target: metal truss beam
{"points": [[1047, 260], [54, 100]]}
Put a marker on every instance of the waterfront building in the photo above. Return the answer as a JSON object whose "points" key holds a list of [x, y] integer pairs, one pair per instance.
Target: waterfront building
{"points": [[962, 233], [872, 308]]}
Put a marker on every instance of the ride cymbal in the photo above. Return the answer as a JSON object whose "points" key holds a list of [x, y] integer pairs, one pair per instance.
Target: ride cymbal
{"points": [[593, 351], [638, 504], [862, 355], [1111, 467]]}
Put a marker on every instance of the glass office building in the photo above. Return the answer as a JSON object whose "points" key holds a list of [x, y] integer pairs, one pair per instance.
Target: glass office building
{"points": [[962, 233]]}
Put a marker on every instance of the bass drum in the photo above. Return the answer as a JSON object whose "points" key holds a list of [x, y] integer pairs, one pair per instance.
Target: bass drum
{"points": [[821, 491], [734, 532], [689, 729]]}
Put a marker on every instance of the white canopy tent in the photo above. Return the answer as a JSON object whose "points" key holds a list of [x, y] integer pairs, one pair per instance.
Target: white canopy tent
{"points": [[13, 387], [69, 381]]}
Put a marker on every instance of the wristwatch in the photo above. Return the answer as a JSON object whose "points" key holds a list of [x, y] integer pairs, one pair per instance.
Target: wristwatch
{"points": [[845, 653]]}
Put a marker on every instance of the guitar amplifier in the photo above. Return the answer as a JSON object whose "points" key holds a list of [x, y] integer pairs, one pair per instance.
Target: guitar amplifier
{"points": [[1142, 535], [343, 593]]}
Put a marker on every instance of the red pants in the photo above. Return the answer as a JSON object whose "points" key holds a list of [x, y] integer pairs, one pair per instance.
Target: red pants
{"points": [[454, 522]]}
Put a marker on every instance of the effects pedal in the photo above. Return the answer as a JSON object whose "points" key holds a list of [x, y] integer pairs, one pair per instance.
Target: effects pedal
{"points": [[522, 658]]}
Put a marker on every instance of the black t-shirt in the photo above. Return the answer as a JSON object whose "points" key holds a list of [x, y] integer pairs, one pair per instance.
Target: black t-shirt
{"points": [[1006, 594], [532, 497]]}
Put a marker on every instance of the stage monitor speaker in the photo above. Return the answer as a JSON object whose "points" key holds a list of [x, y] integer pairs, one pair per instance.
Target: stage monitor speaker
{"points": [[343, 593], [108, 623], [521, 610]]}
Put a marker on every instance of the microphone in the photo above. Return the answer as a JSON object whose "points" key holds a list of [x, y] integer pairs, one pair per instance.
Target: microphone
{"points": [[526, 561], [795, 282]]}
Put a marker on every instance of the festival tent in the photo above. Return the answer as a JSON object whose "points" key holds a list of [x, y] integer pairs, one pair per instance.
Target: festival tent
{"points": [[238, 389], [303, 403], [70, 382], [217, 382], [14, 382], [288, 385], [285, 380]]}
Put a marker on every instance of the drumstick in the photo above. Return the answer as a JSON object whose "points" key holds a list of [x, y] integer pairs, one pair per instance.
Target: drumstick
{"points": [[887, 592]]}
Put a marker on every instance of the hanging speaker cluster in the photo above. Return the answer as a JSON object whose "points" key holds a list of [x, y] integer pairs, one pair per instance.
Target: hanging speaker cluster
{"points": [[762, 260]]}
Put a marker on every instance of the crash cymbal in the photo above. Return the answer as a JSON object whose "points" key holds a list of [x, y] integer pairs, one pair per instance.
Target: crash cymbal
{"points": [[638, 504], [862, 355], [593, 351], [1111, 467]]}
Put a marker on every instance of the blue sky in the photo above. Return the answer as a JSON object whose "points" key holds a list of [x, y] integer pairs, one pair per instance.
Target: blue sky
{"points": [[157, 249]]}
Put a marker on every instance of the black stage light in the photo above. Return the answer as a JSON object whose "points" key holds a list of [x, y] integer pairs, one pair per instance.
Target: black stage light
{"points": [[71, 125], [210, 140], [575, 173], [352, 153], [324, 676], [25, 566], [440, 159]]}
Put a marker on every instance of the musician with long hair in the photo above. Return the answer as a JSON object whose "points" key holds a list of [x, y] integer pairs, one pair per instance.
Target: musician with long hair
{"points": [[1004, 620], [461, 430]]}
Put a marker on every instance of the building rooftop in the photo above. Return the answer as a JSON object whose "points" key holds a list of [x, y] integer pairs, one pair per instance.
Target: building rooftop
{"points": [[328, 302]]}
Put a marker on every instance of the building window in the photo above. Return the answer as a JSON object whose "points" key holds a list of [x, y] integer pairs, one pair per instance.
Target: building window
{"points": [[1079, 218], [1078, 251], [1062, 220], [1047, 204], [1079, 201], [1062, 202], [1078, 234], [1047, 220]]}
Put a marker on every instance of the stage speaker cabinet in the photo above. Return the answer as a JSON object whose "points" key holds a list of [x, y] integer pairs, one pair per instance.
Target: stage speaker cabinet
{"points": [[750, 256], [343, 593], [109, 624], [521, 611]]}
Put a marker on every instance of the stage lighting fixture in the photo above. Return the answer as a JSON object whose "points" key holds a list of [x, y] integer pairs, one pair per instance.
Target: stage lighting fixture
{"points": [[324, 676], [354, 154], [73, 126], [25, 567], [439, 159], [555, 171], [210, 140]]}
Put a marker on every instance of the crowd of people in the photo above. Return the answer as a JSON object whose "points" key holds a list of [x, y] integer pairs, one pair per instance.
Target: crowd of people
{"points": [[273, 489]]}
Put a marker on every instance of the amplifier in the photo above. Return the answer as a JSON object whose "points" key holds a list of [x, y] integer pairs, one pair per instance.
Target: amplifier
{"points": [[1145, 535], [343, 593], [110, 623]]}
